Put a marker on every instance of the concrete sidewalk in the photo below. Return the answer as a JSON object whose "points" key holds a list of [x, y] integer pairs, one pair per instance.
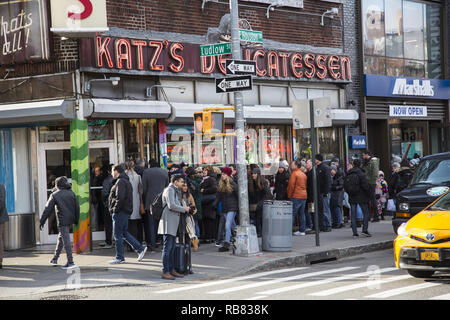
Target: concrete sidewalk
{"points": [[27, 272]]}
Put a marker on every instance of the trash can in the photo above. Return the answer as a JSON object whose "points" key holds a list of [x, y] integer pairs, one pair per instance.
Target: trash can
{"points": [[277, 226]]}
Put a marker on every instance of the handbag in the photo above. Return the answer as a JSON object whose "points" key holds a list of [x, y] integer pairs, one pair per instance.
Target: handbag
{"points": [[141, 208], [390, 205]]}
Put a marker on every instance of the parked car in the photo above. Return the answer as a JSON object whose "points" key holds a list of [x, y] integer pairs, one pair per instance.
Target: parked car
{"points": [[422, 246], [431, 179]]}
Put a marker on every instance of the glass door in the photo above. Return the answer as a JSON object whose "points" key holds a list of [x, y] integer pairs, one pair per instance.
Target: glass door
{"points": [[54, 161]]}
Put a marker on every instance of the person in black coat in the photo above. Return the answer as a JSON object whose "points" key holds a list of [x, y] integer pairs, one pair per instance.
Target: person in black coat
{"points": [[257, 192], [401, 178], [208, 188], [357, 187], [107, 185], [324, 189], [67, 209], [337, 197], [281, 182]]}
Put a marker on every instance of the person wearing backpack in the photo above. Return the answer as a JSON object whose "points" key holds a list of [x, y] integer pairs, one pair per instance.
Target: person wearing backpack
{"points": [[154, 181], [358, 190], [172, 202]]}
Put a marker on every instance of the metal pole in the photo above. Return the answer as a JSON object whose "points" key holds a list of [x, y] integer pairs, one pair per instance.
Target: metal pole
{"points": [[316, 196], [240, 121]]}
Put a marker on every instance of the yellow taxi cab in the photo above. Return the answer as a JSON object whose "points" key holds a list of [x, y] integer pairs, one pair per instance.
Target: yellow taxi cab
{"points": [[422, 246]]}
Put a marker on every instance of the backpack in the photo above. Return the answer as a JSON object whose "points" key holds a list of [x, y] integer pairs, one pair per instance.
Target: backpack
{"points": [[351, 184], [157, 208]]}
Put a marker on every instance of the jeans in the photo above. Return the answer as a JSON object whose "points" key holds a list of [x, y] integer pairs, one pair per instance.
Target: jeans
{"points": [[168, 253], [298, 208], [197, 228], [108, 225], [365, 211], [222, 225], [229, 225], [325, 213], [120, 226], [64, 240], [337, 217]]}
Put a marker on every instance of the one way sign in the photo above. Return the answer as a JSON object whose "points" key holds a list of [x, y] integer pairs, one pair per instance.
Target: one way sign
{"points": [[240, 67], [233, 84]]}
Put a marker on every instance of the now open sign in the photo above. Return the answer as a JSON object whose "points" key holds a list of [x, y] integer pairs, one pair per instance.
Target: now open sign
{"points": [[407, 111]]}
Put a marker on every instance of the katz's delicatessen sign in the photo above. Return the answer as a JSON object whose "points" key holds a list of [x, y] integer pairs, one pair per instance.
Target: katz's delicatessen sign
{"points": [[151, 57]]}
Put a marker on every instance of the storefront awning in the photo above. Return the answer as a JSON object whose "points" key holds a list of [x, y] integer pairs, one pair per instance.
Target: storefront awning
{"points": [[344, 116], [107, 108], [36, 112]]}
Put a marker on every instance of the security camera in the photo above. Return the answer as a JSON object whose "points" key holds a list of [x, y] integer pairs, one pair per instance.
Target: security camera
{"points": [[182, 90], [334, 10]]}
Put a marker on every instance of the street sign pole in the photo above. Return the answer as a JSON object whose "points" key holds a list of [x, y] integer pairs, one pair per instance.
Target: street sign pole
{"points": [[316, 196], [244, 229]]}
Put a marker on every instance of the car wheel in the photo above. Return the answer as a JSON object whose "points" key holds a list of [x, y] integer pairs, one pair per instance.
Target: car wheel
{"points": [[421, 274]]}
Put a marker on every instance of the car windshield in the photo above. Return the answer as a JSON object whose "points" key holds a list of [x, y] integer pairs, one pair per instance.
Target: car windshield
{"points": [[443, 204], [433, 171]]}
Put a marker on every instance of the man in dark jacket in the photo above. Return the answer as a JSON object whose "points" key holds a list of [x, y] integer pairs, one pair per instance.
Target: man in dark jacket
{"points": [[3, 219], [337, 196], [121, 207], [401, 178], [358, 190], [324, 189], [67, 209], [107, 185], [154, 181]]}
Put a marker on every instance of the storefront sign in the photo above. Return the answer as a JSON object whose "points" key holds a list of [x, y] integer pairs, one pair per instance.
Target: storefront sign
{"points": [[148, 57], [395, 87], [24, 31], [76, 18], [407, 111], [357, 142]]}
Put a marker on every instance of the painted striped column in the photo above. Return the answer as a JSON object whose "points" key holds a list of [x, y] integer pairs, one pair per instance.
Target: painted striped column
{"points": [[79, 152]]}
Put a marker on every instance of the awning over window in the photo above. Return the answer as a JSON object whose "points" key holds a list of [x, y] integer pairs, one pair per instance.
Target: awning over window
{"points": [[36, 112], [107, 108]]}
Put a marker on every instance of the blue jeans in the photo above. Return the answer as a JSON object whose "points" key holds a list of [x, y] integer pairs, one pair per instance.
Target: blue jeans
{"points": [[120, 227], [168, 253], [197, 228], [326, 212], [229, 225], [337, 217], [365, 211], [298, 208]]}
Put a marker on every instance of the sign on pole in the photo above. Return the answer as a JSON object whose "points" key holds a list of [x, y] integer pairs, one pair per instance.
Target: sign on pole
{"points": [[240, 67], [250, 36], [301, 116], [215, 49], [232, 84]]}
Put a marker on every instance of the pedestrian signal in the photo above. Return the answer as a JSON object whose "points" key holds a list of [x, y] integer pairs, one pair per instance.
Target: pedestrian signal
{"points": [[198, 122], [209, 122]]}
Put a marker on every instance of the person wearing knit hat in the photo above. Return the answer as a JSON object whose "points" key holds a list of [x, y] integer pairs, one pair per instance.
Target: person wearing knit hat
{"points": [[281, 181], [227, 171]]}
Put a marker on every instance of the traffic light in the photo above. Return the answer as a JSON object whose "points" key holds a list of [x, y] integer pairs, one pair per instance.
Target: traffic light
{"points": [[198, 123], [209, 122]]}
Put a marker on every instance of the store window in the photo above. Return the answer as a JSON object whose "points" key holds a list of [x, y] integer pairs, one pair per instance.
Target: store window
{"points": [[408, 137], [100, 130], [55, 133], [402, 38], [328, 143], [141, 139]]}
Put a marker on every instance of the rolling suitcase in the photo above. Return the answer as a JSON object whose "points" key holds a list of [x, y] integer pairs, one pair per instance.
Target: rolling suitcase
{"points": [[182, 258]]}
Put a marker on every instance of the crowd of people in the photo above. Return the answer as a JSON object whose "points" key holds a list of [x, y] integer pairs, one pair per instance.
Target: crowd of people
{"points": [[201, 204]]}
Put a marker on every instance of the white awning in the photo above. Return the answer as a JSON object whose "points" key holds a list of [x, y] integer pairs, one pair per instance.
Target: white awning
{"points": [[107, 108], [38, 111], [344, 116]]}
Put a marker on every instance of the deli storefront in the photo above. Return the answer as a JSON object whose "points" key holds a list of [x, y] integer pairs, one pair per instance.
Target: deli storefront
{"points": [[171, 73], [405, 113]]}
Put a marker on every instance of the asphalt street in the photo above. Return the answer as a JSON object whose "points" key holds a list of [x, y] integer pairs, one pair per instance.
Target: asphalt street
{"points": [[370, 276]]}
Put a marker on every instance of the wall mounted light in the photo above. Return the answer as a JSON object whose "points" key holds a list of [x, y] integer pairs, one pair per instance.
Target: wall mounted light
{"points": [[114, 81], [333, 11]]}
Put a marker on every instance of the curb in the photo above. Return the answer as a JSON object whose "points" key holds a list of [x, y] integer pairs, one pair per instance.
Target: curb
{"points": [[317, 257]]}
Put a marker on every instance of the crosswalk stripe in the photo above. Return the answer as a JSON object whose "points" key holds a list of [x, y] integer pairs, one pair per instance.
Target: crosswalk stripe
{"points": [[358, 285], [320, 282], [256, 298], [220, 282], [443, 297], [398, 291], [285, 279]]}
